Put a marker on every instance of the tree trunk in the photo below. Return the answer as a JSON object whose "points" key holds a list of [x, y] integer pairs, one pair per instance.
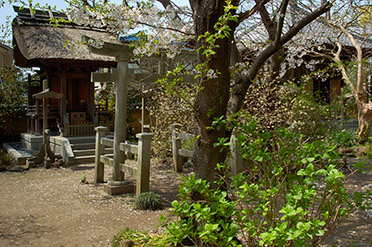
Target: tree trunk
{"points": [[212, 100], [364, 121]]}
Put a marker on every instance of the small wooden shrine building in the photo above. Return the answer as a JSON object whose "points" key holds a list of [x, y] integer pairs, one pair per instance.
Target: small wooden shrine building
{"points": [[65, 64]]}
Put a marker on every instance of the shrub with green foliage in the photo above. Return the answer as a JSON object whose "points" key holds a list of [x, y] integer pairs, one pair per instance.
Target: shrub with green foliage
{"points": [[274, 105], [13, 99], [149, 201], [6, 159], [292, 193], [166, 109], [137, 238]]}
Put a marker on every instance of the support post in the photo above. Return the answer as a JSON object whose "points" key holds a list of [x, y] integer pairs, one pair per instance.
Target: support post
{"points": [[120, 121], [176, 145], [37, 123], [143, 165], [236, 160], [63, 99], [100, 150], [117, 185], [143, 115], [45, 127]]}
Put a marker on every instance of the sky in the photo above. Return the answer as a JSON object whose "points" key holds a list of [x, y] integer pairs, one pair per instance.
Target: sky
{"points": [[7, 10]]}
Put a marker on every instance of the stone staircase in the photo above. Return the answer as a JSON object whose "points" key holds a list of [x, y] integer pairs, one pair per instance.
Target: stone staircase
{"points": [[84, 149]]}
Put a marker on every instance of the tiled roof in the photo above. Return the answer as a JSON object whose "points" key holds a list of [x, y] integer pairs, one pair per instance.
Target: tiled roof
{"points": [[317, 33]]}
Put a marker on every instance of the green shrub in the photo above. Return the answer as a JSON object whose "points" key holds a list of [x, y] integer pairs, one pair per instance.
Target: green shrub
{"points": [[292, 193], [344, 138], [6, 159], [149, 201], [166, 109], [138, 238]]}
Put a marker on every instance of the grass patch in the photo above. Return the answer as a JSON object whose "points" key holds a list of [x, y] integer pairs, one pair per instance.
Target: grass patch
{"points": [[130, 237], [149, 201]]}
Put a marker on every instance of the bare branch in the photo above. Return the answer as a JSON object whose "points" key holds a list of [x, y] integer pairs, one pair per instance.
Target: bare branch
{"points": [[245, 15], [306, 20], [241, 87], [267, 21], [165, 3], [279, 27]]}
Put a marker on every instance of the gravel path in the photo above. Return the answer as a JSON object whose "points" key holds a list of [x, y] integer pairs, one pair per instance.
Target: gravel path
{"points": [[52, 208]]}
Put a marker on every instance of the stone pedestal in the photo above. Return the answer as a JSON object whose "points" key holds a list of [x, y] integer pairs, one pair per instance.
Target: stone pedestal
{"points": [[118, 187]]}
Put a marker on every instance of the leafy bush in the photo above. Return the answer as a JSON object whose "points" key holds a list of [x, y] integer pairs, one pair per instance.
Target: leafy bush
{"points": [[166, 109], [292, 193], [344, 138], [6, 159], [274, 105], [137, 238], [149, 201], [12, 98]]}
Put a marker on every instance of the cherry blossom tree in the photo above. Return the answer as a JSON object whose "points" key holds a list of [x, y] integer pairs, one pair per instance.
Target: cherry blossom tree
{"points": [[200, 22], [213, 28]]}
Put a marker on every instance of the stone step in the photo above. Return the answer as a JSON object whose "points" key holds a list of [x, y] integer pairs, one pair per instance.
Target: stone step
{"points": [[82, 139], [88, 159], [86, 152], [84, 159], [83, 146]]}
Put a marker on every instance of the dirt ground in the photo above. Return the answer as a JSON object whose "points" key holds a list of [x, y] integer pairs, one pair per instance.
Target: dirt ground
{"points": [[51, 207]]}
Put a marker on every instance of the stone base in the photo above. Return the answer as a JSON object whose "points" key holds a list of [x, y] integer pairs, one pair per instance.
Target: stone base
{"points": [[118, 187], [31, 142]]}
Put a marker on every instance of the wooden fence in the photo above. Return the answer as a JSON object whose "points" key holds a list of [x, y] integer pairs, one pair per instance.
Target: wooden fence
{"points": [[179, 154]]}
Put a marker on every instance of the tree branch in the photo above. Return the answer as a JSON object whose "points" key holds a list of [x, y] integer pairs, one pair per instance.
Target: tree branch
{"points": [[240, 89], [279, 26], [305, 21], [165, 3], [245, 15], [341, 67], [271, 49]]}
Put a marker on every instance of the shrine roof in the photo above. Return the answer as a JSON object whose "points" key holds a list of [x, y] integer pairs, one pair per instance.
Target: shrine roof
{"points": [[37, 39]]}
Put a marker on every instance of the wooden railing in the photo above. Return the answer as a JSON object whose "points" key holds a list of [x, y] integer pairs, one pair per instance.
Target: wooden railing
{"points": [[142, 150], [38, 110], [79, 130]]}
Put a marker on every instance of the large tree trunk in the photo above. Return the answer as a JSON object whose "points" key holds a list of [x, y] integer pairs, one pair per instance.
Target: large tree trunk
{"points": [[211, 101]]}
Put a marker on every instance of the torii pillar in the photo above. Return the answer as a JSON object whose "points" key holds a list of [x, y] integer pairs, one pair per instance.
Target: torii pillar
{"points": [[121, 76], [118, 185]]}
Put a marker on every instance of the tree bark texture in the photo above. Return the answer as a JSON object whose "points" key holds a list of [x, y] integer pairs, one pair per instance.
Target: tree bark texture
{"points": [[213, 98]]}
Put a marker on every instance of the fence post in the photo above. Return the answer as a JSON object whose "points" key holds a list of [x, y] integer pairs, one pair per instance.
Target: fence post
{"points": [[143, 165], [236, 160], [176, 145], [100, 150]]}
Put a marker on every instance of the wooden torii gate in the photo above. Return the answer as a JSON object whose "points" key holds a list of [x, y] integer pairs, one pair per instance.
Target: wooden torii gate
{"points": [[122, 76]]}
